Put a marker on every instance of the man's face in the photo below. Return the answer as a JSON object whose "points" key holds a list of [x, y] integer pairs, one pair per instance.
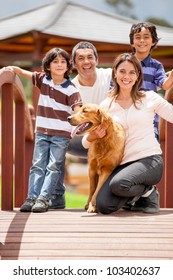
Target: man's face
{"points": [[85, 61]]}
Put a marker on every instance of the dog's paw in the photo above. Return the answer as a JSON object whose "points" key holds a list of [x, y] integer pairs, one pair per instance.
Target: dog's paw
{"points": [[91, 208]]}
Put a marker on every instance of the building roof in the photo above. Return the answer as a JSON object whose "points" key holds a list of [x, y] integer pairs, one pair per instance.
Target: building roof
{"points": [[67, 20]]}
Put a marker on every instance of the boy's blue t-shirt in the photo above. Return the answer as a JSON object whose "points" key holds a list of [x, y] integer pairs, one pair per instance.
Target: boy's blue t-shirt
{"points": [[154, 74], [154, 77]]}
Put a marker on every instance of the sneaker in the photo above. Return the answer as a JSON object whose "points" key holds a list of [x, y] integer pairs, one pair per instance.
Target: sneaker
{"points": [[57, 201], [148, 204], [41, 205], [27, 205], [128, 205]]}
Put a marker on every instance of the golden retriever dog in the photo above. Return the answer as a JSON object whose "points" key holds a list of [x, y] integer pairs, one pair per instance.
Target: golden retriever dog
{"points": [[104, 154]]}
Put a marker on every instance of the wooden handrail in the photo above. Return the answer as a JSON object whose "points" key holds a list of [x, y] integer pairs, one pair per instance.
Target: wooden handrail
{"points": [[166, 136], [8, 77], [22, 139]]}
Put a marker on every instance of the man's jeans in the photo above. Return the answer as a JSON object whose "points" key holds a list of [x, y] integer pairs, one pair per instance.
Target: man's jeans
{"points": [[47, 165]]}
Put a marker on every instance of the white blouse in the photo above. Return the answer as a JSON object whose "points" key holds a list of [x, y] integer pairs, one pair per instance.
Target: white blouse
{"points": [[138, 124]]}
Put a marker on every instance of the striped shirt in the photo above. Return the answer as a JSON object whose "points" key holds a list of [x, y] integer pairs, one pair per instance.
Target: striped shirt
{"points": [[154, 74], [55, 104]]}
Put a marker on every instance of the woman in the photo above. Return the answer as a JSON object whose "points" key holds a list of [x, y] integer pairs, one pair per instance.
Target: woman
{"points": [[142, 165]]}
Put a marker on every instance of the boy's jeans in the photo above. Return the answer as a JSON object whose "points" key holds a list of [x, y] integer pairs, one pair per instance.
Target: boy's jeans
{"points": [[75, 148], [47, 165]]}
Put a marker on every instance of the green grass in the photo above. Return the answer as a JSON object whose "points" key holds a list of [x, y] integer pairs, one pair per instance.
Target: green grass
{"points": [[74, 200]]}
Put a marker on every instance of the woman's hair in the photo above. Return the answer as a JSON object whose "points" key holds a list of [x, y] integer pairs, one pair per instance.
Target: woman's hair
{"points": [[50, 56], [83, 45], [136, 94], [137, 27]]}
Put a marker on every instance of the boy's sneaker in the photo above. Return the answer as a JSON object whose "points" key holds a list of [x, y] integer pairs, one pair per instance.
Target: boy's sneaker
{"points": [[41, 205], [57, 201], [27, 205]]}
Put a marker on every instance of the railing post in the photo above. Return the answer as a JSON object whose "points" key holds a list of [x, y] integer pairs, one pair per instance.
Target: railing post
{"points": [[161, 185], [169, 164], [7, 147], [13, 94], [19, 154], [29, 146]]}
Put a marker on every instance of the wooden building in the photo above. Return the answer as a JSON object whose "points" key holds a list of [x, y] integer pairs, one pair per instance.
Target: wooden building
{"points": [[25, 37]]}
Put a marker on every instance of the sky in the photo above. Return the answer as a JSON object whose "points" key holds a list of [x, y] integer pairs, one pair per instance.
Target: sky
{"points": [[142, 8], [11, 7]]}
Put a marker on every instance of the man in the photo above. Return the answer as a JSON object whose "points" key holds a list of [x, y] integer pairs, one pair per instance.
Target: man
{"points": [[92, 82]]}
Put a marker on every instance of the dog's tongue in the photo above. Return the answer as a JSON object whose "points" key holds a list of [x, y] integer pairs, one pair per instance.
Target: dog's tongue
{"points": [[77, 129]]}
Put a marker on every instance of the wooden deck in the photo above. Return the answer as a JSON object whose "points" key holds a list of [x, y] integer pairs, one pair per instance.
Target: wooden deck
{"points": [[72, 234]]}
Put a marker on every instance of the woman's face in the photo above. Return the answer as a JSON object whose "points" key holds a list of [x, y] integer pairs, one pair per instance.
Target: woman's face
{"points": [[126, 75]]}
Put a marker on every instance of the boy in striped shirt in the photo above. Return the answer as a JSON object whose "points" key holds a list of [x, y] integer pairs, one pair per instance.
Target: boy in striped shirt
{"points": [[58, 98]]}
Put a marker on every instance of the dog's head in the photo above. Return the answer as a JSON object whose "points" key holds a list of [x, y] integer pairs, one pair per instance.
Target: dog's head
{"points": [[88, 118]]}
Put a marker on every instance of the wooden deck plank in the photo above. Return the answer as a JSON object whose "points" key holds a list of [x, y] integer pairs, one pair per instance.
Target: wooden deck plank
{"points": [[60, 240], [84, 246], [87, 253], [76, 234]]}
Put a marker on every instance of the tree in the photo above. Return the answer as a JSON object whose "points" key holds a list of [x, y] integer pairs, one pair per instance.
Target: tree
{"points": [[125, 8], [122, 7], [158, 21]]}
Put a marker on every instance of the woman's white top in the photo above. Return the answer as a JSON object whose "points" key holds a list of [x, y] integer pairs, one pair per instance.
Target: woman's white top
{"points": [[138, 124]]}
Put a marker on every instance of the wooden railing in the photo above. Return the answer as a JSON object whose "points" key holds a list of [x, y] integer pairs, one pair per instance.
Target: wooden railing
{"points": [[17, 146], [17, 122], [166, 136]]}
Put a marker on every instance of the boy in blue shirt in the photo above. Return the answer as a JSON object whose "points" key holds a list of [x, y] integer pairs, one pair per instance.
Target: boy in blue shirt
{"points": [[143, 39]]}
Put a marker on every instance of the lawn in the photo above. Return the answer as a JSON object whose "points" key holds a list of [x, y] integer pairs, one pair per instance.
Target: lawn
{"points": [[74, 200]]}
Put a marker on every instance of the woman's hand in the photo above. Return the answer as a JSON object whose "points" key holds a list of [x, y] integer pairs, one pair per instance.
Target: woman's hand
{"points": [[99, 132]]}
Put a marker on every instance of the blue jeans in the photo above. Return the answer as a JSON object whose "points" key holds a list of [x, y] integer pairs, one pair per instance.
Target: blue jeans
{"points": [[75, 148], [47, 165], [127, 181], [156, 127]]}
